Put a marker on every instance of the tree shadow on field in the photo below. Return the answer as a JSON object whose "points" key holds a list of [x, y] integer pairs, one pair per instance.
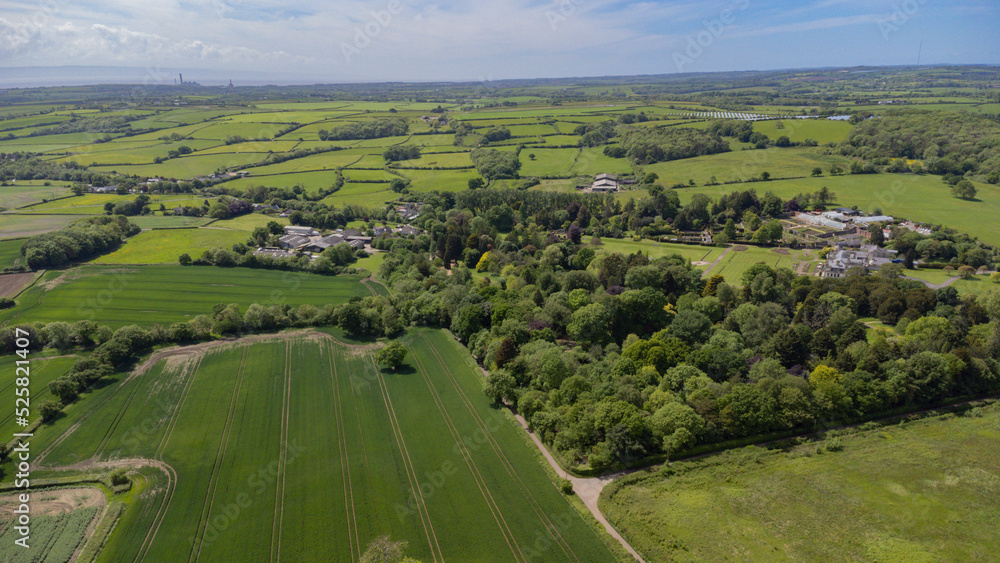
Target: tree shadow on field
{"points": [[401, 370]]}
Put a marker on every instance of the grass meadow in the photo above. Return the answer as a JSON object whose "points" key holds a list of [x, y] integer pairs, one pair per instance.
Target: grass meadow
{"points": [[917, 491], [164, 246], [302, 449]]}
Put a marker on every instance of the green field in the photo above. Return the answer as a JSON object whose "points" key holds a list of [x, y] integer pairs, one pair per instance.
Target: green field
{"points": [[166, 246], [301, 449], [147, 295], [25, 193], [655, 250], [822, 131], [18, 226], [10, 252], [919, 491], [53, 537], [920, 198], [735, 262], [739, 165]]}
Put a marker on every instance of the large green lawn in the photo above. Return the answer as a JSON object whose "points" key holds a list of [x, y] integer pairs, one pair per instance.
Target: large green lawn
{"points": [[301, 449], [146, 295], [924, 198], [919, 491]]}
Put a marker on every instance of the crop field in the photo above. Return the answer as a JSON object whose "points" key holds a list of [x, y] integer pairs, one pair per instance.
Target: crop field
{"points": [[919, 491], [147, 295], [165, 246], [53, 537], [300, 448], [10, 252], [93, 204], [248, 222], [42, 370], [19, 226], [365, 195], [441, 180], [169, 221], [25, 193], [920, 198]]}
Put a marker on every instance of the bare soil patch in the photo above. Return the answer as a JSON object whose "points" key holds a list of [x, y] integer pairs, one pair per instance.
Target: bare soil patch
{"points": [[740, 248], [12, 284], [781, 251], [54, 502]]}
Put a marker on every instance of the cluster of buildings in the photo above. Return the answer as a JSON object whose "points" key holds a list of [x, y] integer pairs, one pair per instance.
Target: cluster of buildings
{"points": [[605, 184], [298, 240], [868, 257]]}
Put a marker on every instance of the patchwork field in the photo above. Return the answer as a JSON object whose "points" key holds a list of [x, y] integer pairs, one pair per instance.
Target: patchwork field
{"points": [[299, 448], [19, 226], [147, 295], [919, 491]]}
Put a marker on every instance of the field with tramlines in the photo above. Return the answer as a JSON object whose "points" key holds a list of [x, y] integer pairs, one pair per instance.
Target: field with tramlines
{"points": [[299, 448], [146, 295]]}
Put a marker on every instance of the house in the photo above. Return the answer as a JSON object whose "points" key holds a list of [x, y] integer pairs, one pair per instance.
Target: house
{"points": [[383, 231], [408, 231], [604, 183], [301, 231], [410, 211], [356, 244], [293, 241], [868, 257], [265, 208]]}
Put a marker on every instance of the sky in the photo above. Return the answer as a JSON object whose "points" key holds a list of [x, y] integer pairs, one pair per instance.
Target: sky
{"points": [[315, 41]]}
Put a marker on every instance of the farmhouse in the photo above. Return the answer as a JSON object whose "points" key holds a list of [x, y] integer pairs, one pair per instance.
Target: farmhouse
{"points": [[868, 257]]}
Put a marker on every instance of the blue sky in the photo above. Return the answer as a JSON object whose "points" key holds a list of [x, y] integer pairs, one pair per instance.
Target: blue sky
{"points": [[353, 40]]}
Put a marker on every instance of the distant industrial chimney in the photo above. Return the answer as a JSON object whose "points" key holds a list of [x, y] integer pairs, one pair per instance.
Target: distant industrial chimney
{"points": [[182, 78]]}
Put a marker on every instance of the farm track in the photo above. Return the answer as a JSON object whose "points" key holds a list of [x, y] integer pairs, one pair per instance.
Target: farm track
{"points": [[411, 475], [473, 468], [508, 466], [213, 481], [279, 485], [345, 462]]}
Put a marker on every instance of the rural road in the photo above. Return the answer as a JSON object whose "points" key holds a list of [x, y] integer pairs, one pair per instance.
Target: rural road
{"points": [[589, 490]]}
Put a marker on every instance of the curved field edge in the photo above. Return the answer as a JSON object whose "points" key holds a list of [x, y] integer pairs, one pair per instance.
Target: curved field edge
{"points": [[180, 405], [911, 491]]}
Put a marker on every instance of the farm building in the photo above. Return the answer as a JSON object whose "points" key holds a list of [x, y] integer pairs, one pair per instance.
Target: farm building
{"points": [[604, 183], [821, 221], [301, 231], [293, 241], [868, 257], [322, 244], [873, 219], [274, 252]]}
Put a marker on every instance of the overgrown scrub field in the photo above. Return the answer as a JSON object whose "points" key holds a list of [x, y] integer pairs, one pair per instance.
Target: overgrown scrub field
{"points": [[919, 491], [147, 295], [298, 448]]}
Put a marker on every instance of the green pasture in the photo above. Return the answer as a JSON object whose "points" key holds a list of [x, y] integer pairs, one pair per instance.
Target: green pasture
{"points": [[735, 263], [918, 491], [10, 252], [164, 246], [16, 226], [923, 198], [365, 195], [822, 131], [655, 250], [743, 165], [32, 191], [439, 180], [164, 294]]}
